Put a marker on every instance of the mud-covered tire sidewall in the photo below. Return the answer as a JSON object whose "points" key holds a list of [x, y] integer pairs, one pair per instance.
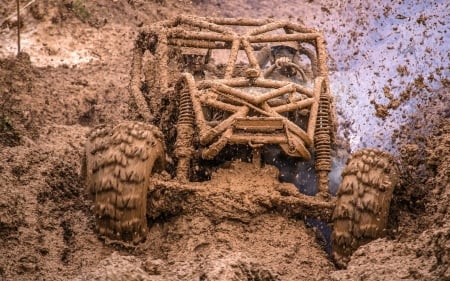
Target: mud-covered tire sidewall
{"points": [[363, 201], [118, 166]]}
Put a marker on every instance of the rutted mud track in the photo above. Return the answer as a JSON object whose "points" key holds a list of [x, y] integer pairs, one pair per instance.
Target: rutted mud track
{"points": [[46, 222]]}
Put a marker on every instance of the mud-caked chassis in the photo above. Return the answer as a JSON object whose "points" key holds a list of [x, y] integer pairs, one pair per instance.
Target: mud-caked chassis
{"points": [[206, 98]]}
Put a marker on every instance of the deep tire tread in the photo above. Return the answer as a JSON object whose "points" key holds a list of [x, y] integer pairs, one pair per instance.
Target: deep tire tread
{"points": [[120, 160], [363, 201]]}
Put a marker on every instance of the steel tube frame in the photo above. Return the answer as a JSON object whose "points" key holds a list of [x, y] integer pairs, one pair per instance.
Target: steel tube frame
{"points": [[216, 33]]}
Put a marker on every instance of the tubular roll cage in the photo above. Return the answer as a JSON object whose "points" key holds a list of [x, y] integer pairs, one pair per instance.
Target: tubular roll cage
{"points": [[216, 33]]}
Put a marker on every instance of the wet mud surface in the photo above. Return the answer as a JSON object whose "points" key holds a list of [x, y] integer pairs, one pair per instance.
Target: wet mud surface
{"points": [[74, 75]]}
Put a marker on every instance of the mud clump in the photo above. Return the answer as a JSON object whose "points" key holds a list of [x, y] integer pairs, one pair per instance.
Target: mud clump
{"points": [[16, 82], [413, 89], [423, 148], [230, 268], [12, 215], [8, 135], [64, 188]]}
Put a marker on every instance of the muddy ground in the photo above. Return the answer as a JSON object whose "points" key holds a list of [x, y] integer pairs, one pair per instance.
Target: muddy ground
{"points": [[74, 74]]}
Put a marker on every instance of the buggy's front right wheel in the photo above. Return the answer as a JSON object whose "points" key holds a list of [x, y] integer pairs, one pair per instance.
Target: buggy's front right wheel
{"points": [[363, 201], [119, 164]]}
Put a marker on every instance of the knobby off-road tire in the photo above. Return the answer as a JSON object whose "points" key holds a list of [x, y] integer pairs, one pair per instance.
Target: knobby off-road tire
{"points": [[119, 164], [363, 201]]}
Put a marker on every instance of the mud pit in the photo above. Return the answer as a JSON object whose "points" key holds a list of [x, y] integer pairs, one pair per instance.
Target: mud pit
{"points": [[49, 102]]}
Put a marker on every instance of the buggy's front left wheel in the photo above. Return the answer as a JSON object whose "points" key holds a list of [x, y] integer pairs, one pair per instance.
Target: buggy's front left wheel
{"points": [[119, 164]]}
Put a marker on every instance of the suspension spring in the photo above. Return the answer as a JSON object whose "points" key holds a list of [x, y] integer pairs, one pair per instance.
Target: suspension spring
{"points": [[186, 115], [185, 130], [322, 140]]}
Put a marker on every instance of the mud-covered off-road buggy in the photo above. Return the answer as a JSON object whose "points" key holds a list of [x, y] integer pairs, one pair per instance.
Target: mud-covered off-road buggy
{"points": [[212, 90]]}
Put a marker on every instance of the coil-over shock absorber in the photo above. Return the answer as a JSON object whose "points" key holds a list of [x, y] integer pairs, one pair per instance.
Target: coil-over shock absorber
{"points": [[322, 140], [185, 130]]}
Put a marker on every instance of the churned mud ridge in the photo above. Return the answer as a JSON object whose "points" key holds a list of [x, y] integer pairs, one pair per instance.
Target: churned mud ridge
{"points": [[228, 229], [16, 82], [258, 194]]}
